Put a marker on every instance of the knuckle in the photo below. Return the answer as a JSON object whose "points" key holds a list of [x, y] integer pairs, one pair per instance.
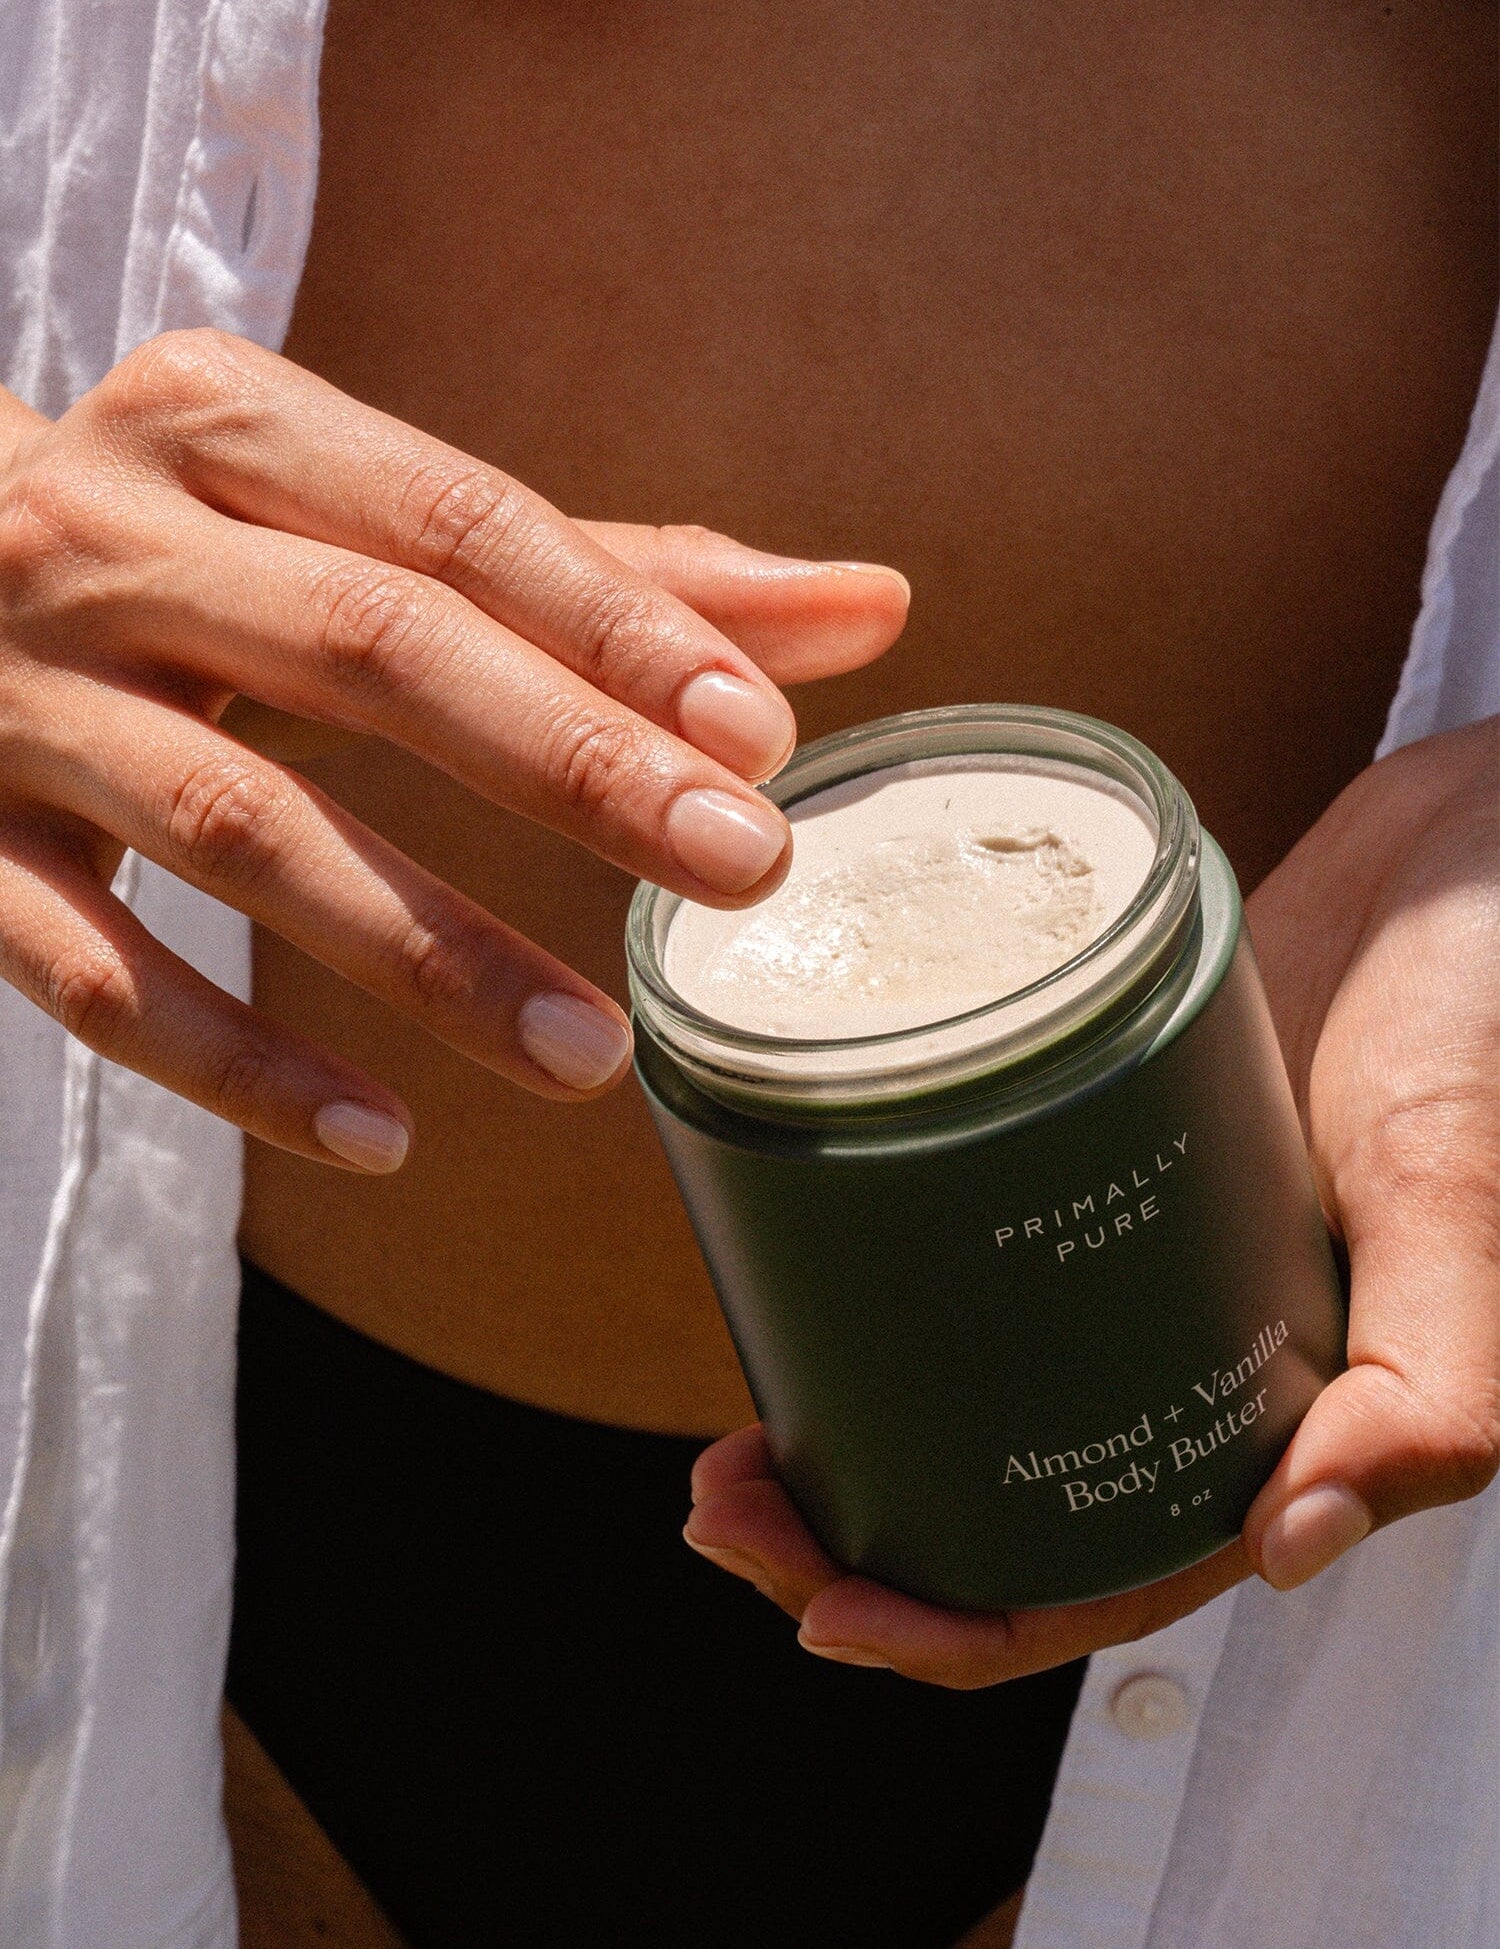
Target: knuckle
{"points": [[438, 964], [95, 999], [50, 523], [693, 537], [1465, 1452], [78, 546], [35, 523], [620, 630], [183, 384], [1441, 1145], [239, 1079], [224, 821], [588, 764], [376, 627], [1440, 1439], [175, 371], [460, 523]]}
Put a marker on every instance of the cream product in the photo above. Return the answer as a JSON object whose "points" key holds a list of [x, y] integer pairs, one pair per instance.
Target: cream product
{"points": [[985, 1134], [917, 894]]}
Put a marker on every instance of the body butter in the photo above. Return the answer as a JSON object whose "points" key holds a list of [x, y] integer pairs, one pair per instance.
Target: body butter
{"points": [[984, 1131], [922, 892]]}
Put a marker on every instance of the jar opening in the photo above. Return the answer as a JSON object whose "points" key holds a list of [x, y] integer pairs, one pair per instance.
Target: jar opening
{"points": [[1145, 836]]}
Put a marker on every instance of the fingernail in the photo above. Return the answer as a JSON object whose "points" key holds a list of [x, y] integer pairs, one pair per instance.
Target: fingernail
{"points": [[1310, 1533], [362, 1136], [744, 725], [845, 1654], [873, 568], [725, 842], [576, 1043]]}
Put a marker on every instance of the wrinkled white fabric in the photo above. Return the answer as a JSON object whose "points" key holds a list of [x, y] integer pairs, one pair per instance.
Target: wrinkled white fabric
{"points": [[117, 1545], [1331, 1787], [1452, 672], [157, 164], [1336, 1782]]}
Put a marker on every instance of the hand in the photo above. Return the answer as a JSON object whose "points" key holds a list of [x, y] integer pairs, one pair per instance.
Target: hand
{"points": [[211, 522], [1377, 937]]}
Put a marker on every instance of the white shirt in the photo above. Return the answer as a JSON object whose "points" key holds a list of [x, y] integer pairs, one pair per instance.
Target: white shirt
{"points": [[157, 160], [1314, 1771]]}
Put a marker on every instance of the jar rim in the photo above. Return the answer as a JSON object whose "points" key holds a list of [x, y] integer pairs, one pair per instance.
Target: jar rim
{"points": [[1129, 957]]}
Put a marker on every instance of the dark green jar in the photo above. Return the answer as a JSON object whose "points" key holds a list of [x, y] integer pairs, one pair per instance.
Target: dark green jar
{"points": [[1030, 1301]]}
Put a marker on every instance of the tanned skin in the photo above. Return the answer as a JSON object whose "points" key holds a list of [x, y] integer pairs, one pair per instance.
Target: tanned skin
{"points": [[1139, 338]]}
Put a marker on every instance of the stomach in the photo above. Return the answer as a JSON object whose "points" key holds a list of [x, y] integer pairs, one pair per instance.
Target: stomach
{"points": [[1149, 390]]}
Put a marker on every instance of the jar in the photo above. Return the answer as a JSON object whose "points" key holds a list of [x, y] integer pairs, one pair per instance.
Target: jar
{"points": [[1030, 1300]]}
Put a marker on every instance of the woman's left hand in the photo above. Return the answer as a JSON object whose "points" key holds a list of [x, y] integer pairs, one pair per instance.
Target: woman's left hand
{"points": [[1377, 937]]}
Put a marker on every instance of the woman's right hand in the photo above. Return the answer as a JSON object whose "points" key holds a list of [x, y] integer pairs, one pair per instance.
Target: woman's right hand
{"points": [[212, 522]]}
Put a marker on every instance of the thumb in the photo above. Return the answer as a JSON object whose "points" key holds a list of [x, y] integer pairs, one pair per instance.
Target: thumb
{"points": [[797, 620], [1415, 1420]]}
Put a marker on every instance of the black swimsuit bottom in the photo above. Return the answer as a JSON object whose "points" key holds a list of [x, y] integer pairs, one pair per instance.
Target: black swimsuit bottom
{"points": [[471, 1635]]}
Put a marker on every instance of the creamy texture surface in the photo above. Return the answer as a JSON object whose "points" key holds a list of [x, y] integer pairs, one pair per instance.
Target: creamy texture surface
{"points": [[916, 894]]}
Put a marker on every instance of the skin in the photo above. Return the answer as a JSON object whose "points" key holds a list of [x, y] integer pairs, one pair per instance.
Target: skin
{"points": [[211, 518], [295, 1890], [683, 271]]}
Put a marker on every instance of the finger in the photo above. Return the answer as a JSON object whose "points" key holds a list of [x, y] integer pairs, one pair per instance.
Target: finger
{"points": [[743, 1456], [337, 637], [751, 1529], [265, 441], [746, 1522], [855, 1621], [265, 841], [81, 955], [797, 620], [1415, 1420]]}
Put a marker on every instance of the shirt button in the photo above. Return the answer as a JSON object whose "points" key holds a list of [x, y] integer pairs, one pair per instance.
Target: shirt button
{"points": [[1149, 1707]]}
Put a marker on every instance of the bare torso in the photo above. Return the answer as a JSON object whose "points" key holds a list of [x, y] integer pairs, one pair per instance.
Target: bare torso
{"points": [[1139, 337]]}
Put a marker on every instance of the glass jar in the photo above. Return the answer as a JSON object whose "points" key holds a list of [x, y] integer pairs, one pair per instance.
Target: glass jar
{"points": [[1030, 1300]]}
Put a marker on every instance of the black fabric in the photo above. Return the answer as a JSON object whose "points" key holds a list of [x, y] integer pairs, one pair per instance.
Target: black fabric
{"points": [[470, 1634]]}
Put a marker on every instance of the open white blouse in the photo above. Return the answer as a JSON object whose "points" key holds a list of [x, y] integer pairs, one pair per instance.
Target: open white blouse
{"points": [[1314, 1771]]}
